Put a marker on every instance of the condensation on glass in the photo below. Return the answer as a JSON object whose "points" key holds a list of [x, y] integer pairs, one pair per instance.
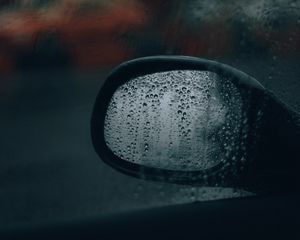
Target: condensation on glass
{"points": [[175, 120]]}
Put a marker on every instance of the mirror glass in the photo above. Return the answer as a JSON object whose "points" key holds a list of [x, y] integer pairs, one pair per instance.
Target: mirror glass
{"points": [[175, 120]]}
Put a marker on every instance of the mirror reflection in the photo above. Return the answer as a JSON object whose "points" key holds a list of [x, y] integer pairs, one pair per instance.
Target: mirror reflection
{"points": [[175, 120]]}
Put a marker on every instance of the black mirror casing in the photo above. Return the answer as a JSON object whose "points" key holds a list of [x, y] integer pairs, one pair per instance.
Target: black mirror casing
{"points": [[272, 133]]}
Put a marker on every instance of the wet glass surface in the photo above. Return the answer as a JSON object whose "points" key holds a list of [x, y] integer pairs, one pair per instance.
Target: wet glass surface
{"points": [[54, 57], [176, 120]]}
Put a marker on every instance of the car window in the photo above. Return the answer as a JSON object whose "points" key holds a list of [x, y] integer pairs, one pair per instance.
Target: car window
{"points": [[55, 56]]}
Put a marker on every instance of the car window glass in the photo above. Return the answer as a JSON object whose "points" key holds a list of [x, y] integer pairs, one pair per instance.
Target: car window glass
{"points": [[55, 56]]}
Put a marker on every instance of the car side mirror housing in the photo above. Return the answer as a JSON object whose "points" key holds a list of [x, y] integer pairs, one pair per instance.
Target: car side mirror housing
{"points": [[194, 121]]}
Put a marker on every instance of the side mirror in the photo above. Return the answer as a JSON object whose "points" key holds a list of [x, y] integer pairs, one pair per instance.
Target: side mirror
{"points": [[194, 121]]}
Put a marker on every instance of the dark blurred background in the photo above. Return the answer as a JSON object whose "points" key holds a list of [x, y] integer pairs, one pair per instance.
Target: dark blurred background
{"points": [[54, 57]]}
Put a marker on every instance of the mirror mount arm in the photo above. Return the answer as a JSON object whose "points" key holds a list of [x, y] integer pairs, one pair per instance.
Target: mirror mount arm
{"points": [[276, 164]]}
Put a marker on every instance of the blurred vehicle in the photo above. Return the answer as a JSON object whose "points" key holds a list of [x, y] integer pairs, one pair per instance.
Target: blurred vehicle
{"points": [[74, 33], [91, 34]]}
